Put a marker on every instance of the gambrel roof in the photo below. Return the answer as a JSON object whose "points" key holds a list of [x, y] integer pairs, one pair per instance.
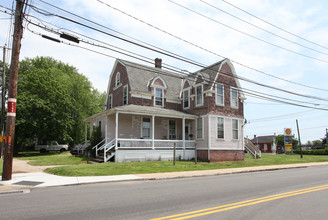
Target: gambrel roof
{"points": [[140, 76]]}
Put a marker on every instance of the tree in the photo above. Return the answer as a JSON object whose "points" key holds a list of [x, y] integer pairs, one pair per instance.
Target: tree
{"points": [[316, 143], [280, 141], [53, 100]]}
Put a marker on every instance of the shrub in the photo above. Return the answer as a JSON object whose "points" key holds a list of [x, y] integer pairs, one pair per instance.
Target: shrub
{"points": [[313, 152]]}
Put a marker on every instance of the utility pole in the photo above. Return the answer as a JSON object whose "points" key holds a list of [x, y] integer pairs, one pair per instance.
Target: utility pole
{"points": [[299, 139], [3, 97], [12, 92]]}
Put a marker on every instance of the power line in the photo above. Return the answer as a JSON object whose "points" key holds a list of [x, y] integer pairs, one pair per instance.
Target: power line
{"points": [[207, 80], [270, 32], [211, 52], [249, 35], [179, 58], [282, 29], [202, 66]]}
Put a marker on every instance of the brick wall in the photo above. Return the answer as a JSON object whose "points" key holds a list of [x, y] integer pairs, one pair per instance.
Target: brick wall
{"points": [[221, 155]]}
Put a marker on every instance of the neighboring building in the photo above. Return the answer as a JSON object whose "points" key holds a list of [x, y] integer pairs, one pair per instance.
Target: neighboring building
{"points": [[264, 143], [149, 109]]}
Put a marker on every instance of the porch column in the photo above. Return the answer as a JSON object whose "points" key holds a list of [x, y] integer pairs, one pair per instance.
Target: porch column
{"points": [[153, 131], [106, 127], [116, 134], [184, 137], [209, 138], [116, 129]]}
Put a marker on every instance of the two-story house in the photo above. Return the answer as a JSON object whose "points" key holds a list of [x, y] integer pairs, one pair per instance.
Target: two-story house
{"points": [[150, 110]]}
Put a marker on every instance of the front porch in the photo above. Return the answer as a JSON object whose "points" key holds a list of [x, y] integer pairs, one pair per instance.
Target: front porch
{"points": [[139, 133]]}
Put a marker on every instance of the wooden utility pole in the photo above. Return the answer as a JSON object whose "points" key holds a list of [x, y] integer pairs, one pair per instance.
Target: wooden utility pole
{"points": [[3, 97], [299, 139], [12, 92]]}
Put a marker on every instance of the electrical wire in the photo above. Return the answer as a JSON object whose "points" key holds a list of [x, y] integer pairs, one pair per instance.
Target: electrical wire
{"points": [[282, 29], [270, 32], [187, 60], [243, 90], [209, 51], [249, 35]]}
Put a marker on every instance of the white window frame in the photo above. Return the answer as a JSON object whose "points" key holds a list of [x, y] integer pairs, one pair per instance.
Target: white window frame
{"points": [[234, 129], [202, 127], [127, 94], [175, 130], [231, 98], [157, 88], [183, 98], [202, 95], [142, 128], [117, 79], [217, 95], [217, 128], [110, 101]]}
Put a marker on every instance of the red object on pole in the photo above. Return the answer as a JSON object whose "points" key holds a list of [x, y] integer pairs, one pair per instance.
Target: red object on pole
{"points": [[12, 92]]}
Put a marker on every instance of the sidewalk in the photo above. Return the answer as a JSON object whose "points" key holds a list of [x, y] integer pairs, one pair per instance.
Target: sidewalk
{"points": [[23, 182]]}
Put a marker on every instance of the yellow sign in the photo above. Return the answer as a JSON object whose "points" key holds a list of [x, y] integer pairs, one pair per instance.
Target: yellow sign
{"points": [[2, 138], [288, 147]]}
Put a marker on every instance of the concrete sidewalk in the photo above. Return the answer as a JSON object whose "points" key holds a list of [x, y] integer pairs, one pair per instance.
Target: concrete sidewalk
{"points": [[23, 182]]}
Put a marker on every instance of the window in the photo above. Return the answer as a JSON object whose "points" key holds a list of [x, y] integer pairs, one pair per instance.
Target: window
{"points": [[199, 128], [110, 102], [199, 95], [159, 97], [145, 127], [234, 98], [186, 98], [234, 129], [219, 94], [125, 95], [220, 127], [172, 130], [117, 81]]}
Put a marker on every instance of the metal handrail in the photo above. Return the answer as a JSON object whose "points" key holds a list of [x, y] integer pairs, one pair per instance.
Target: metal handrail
{"points": [[252, 149], [98, 145]]}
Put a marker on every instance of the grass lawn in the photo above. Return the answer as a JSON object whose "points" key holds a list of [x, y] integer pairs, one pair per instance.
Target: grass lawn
{"points": [[167, 166], [51, 158]]}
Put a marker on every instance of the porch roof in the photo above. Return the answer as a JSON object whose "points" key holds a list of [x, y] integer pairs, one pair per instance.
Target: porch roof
{"points": [[144, 110]]}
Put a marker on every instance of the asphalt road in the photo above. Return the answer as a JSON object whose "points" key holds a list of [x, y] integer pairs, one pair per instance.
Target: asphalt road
{"points": [[281, 194]]}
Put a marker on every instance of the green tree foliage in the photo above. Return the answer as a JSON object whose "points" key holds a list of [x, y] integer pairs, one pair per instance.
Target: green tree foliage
{"points": [[95, 136], [316, 143], [280, 141], [53, 99]]}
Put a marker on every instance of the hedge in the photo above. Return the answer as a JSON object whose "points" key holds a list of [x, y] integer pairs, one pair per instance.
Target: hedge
{"points": [[312, 152]]}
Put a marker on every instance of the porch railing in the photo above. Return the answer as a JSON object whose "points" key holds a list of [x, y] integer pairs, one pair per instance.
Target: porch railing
{"points": [[147, 143]]}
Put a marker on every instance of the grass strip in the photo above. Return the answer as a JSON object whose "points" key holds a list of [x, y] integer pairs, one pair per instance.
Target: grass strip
{"points": [[105, 169], [51, 158]]}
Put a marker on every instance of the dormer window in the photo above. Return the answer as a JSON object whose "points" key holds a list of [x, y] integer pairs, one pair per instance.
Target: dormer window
{"points": [[117, 80], [159, 97], [199, 95]]}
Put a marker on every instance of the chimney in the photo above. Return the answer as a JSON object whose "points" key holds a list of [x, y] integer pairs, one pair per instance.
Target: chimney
{"points": [[158, 63]]}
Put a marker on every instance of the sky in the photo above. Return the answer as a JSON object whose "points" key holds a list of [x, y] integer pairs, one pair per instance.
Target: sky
{"points": [[280, 46]]}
